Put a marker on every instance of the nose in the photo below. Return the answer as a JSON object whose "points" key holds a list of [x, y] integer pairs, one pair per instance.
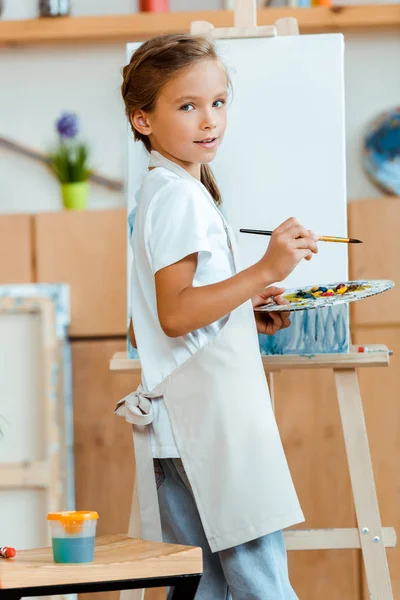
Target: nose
{"points": [[208, 120]]}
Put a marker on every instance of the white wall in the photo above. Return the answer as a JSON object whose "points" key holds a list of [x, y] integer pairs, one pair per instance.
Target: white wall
{"points": [[372, 85], [37, 83]]}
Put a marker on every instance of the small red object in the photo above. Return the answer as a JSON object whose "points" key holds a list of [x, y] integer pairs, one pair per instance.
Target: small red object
{"points": [[7, 552], [361, 349], [154, 5]]}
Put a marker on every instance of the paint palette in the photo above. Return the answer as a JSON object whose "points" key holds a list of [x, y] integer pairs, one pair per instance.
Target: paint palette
{"points": [[330, 294]]}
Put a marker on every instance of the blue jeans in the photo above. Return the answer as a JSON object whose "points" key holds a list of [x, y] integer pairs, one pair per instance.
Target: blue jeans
{"points": [[256, 570]]}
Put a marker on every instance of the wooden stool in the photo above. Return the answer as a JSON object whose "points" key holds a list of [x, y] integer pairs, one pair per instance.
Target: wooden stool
{"points": [[121, 563]]}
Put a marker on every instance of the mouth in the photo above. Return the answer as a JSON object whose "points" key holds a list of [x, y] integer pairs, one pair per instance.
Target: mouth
{"points": [[210, 142]]}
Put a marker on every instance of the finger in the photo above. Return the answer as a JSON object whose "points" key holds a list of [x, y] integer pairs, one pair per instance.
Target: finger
{"points": [[307, 243], [275, 317], [308, 255], [286, 225], [298, 231], [267, 296], [266, 324], [271, 291], [281, 300], [286, 322], [276, 320]]}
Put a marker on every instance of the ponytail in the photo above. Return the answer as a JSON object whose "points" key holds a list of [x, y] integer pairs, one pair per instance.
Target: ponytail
{"points": [[208, 180]]}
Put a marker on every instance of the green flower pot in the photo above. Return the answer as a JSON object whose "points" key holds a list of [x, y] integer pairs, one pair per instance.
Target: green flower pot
{"points": [[75, 195]]}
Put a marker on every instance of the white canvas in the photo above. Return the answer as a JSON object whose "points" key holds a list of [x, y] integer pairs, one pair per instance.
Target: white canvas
{"points": [[284, 151]]}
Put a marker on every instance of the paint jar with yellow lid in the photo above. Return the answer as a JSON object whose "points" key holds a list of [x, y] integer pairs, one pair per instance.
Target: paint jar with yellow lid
{"points": [[73, 535]]}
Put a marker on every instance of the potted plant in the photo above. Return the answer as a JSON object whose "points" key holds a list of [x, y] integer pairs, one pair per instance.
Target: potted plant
{"points": [[69, 163]]}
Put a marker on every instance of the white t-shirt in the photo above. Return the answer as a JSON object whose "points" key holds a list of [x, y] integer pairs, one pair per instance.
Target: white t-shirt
{"points": [[175, 217]]}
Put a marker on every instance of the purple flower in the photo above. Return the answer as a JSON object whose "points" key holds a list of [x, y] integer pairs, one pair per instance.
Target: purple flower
{"points": [[67, 125]]}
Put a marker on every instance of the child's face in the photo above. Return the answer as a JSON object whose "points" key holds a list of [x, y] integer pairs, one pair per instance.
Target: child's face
{"points": [[191, 109]]}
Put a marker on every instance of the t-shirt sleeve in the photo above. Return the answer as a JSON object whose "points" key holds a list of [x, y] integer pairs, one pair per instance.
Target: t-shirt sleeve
{"points": [[177, 225]]}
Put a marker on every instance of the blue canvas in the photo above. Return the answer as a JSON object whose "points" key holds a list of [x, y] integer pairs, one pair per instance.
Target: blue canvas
{"points": [[321, 331]]}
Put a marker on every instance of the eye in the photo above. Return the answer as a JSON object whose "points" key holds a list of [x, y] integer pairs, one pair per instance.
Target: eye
{"points": [[218, 103], [187, 107]]}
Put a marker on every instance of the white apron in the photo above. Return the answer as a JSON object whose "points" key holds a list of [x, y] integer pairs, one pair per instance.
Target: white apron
{"points": [[222, 419]]}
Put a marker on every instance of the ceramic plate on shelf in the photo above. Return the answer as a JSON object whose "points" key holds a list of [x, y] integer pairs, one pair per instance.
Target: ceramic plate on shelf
{"points": [[326, 294], [381, 151]]}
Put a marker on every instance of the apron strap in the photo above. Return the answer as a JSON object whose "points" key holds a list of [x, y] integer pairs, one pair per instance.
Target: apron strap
{"points": [[137, 410]]}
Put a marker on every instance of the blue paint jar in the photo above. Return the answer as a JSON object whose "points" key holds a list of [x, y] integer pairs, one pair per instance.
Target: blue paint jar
{"points": [[73, 535]]}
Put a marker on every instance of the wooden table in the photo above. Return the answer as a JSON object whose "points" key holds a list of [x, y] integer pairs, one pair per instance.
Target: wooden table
{"points": [[120, 563]]}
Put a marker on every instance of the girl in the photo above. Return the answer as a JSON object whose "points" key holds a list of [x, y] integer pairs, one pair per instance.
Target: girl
{"points": [[222, 477]]}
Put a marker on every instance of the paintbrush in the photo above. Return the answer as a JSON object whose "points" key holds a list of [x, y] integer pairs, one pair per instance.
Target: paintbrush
{"points": [[321, 238]]}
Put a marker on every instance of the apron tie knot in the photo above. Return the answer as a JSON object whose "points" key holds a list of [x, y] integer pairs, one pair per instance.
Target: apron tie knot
{"points": [[136, 407]]}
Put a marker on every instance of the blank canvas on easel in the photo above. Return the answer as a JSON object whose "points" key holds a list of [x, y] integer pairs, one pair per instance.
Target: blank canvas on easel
{"points": [[284, 155]]}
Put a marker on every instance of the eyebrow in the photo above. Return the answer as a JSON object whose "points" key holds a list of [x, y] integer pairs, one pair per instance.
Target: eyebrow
{"points": [[189, 97]]}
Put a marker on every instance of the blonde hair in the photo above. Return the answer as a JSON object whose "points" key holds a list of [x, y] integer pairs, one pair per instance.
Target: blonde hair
{"points": [[155, 63]]}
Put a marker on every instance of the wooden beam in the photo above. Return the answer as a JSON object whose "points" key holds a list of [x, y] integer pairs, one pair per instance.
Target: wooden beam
{"points": [[377, 357], [332, 539], [112, 184], [25, 475]]}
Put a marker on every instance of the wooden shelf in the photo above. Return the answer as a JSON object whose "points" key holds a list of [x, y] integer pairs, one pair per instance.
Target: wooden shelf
{"points": [[139, 26]]}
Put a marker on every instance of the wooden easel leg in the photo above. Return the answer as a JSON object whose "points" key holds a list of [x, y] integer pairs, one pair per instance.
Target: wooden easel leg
{"points": [[135, 531], [270, 380], [287, 26], [245, 13], [363, 485]]}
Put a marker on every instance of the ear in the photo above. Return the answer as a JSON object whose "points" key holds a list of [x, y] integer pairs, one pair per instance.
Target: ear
{"points": [[140, 121]]}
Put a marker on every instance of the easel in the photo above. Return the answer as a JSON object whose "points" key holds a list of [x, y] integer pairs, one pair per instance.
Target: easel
{"points": [[369, 535]]}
